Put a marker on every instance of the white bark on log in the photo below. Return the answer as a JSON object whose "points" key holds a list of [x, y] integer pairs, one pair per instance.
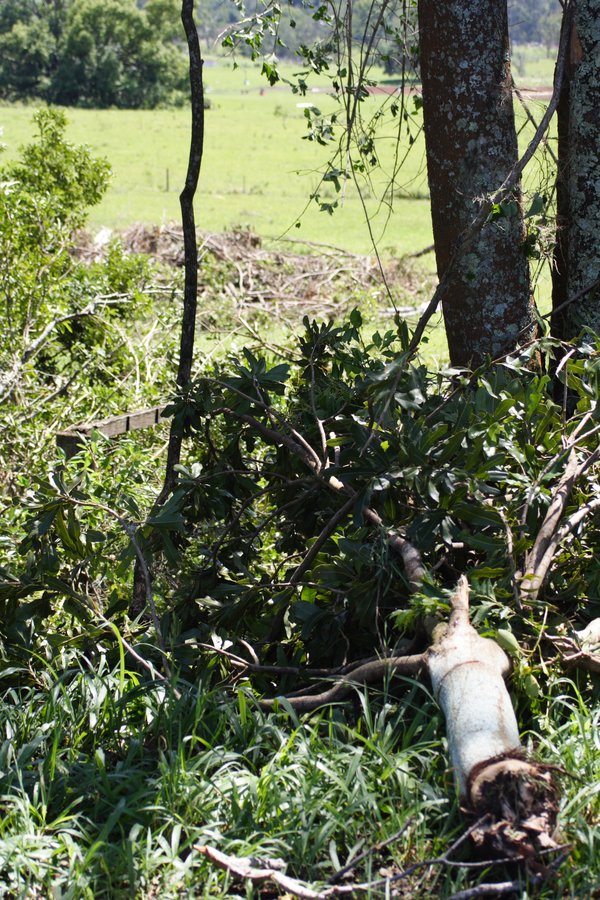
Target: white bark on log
{"points": [[467, 672]]}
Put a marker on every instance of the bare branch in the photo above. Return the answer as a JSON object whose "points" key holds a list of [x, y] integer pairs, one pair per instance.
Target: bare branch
{"points": [[9, 378], [365, 674], [186, 199], [259, 870], [550, 535]]}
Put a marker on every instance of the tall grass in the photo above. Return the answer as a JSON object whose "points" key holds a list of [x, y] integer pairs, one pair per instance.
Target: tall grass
{"points": [[108, 784]]}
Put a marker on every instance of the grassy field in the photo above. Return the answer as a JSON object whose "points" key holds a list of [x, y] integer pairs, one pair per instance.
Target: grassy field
{"points": [[532, 65], [257, 171]]}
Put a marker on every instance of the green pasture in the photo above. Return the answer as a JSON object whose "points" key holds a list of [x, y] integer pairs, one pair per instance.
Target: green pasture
{"points": [[257, 170], [259, 173], [532, 65]]}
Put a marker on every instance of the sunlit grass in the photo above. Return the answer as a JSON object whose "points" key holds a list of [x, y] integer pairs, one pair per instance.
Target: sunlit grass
{"points": [[259, 173], [108, 784], [257, 170]]}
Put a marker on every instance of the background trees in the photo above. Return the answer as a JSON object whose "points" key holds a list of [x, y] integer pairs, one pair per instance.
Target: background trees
{"points": [[92, 53], [534, 21], [85, 52]]}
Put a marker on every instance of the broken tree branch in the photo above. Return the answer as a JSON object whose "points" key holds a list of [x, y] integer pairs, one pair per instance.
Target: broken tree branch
{"points": [[577, 652], [551, 533], [515, 796], [467, 673], [368, 673], [258, 870]]}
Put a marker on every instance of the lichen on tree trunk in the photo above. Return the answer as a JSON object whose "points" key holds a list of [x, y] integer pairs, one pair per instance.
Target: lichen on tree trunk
{"points": [[576, 295], [471, 147]]}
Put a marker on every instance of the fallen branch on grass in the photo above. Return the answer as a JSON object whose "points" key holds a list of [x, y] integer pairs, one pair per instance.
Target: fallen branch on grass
{"points": [[249, 868], [490, 768], [368, 673]]}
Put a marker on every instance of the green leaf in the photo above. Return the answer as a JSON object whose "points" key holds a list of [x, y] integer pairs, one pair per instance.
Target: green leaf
{"points": [[356, 318], [508, 641]]}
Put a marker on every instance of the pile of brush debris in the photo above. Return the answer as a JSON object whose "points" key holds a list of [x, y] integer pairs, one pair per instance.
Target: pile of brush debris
{"points": [[323, 280]]}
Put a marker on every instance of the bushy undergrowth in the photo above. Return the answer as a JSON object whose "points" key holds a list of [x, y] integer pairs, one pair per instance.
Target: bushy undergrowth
{"points": [[467, 467], [275, 545], [78, 341]]}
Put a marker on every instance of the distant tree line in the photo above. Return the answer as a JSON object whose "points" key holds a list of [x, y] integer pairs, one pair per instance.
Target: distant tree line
{"points": [[94, 53], [534, 21], [131, 54]]}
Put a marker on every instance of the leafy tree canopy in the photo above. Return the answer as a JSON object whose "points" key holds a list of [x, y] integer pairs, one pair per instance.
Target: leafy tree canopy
{"points": [[92, 53]]}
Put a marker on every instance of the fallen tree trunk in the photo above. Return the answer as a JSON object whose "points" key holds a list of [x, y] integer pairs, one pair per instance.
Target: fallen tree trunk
{"points": [[467, 673], [516, 797]]}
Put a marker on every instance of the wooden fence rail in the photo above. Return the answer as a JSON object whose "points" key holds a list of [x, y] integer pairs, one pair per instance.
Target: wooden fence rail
{"points": [[73, 439]]}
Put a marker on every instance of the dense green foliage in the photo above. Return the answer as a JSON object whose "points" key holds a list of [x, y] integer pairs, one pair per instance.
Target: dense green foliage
{"points": [[65, 352], [461, 465], [95, 53], [113, 772], [458, 467]]}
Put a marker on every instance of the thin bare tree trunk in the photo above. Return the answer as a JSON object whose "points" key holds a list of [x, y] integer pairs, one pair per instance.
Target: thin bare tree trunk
{"points": [[471, 147], [186, 200], [188, 319]]}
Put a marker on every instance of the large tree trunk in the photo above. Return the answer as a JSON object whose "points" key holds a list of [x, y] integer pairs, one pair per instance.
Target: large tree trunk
{"points": [[576, 296], [471, 147]]}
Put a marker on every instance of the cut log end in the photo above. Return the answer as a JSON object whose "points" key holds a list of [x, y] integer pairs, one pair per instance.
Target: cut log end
{"points": [[517, 802]]}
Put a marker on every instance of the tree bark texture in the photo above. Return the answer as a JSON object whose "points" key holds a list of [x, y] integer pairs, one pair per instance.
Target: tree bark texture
{"points": [[471, 148], [576, 294]]}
